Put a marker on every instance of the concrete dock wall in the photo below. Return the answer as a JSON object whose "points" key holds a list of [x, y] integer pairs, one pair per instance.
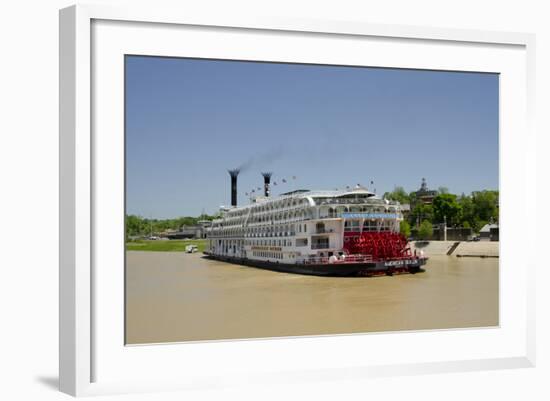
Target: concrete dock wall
{"points": [[464, 248], [432, 247], [481, 248]]}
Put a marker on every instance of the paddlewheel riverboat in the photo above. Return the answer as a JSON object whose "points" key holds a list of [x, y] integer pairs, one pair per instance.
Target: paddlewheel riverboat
{"points": [[348, 232]]}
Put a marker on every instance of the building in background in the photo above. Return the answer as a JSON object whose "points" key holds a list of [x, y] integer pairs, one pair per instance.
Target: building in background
{"points": [[489, 232], [424, 194], [195, 231]]}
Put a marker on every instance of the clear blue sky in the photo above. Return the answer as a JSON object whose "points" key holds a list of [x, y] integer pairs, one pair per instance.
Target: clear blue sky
{"points": [[188, 121]]}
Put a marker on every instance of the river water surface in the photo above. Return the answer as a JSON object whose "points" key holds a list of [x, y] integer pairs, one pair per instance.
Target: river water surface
{"points": [[173, 296]]}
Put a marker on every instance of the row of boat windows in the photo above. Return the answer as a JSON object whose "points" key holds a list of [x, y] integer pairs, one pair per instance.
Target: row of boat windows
{"points": [[336, 211], [367, 223], [276, 241], [266, 219], [272, 255], [269, 242], [374, 229], [300, 215], [271, 206], [346, 199], [323, 212], [229, 242], [279, 231]]}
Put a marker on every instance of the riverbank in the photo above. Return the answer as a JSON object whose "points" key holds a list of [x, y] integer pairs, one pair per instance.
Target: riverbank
{"points": [[430, 248], [172, 245]]}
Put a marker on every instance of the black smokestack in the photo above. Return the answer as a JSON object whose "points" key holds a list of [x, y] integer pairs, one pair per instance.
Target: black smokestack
{"points": [[267, 180], [234, 173]]}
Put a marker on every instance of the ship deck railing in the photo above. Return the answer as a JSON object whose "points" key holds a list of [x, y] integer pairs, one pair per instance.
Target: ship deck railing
{"points": [[358, 258], [347, 259]]}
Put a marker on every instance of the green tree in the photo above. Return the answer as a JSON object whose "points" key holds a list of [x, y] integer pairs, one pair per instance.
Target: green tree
{"points": [[138, 226], [405, 228], [134, 226], [469, 214], [412, 197], [420, 213], [486, 205], [425, 230], [398, 194], [446, 206], [467, 206], [206, 217]]}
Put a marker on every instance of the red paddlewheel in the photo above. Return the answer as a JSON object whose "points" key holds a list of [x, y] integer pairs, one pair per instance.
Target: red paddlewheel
{"points": [[380, 245]]}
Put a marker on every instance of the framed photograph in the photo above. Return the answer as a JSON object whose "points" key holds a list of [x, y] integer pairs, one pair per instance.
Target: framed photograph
{"points": [[348, 198]]}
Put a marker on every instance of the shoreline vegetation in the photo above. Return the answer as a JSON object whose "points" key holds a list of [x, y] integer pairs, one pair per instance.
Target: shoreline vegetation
{"points": [[466, 248], [466, 211], [457, 211], [174, 245], [138, 226]]}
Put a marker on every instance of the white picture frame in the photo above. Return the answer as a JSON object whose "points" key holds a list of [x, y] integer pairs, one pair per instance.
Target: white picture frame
{"points": [[82, 343]]}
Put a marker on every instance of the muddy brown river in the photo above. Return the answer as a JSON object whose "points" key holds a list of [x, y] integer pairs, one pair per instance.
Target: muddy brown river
{"points": [[173, 297]]}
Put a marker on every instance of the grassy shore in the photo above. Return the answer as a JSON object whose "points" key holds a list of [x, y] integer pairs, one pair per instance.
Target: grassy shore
{"points": [[165, 245]]}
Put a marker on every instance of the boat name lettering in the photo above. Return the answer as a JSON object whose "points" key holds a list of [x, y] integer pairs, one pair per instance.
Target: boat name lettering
{"points": [[398, 262], [369, 215]]}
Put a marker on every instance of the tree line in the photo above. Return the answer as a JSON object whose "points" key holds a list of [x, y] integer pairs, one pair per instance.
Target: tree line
{"points": [[468, 211], [137, 226]]}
